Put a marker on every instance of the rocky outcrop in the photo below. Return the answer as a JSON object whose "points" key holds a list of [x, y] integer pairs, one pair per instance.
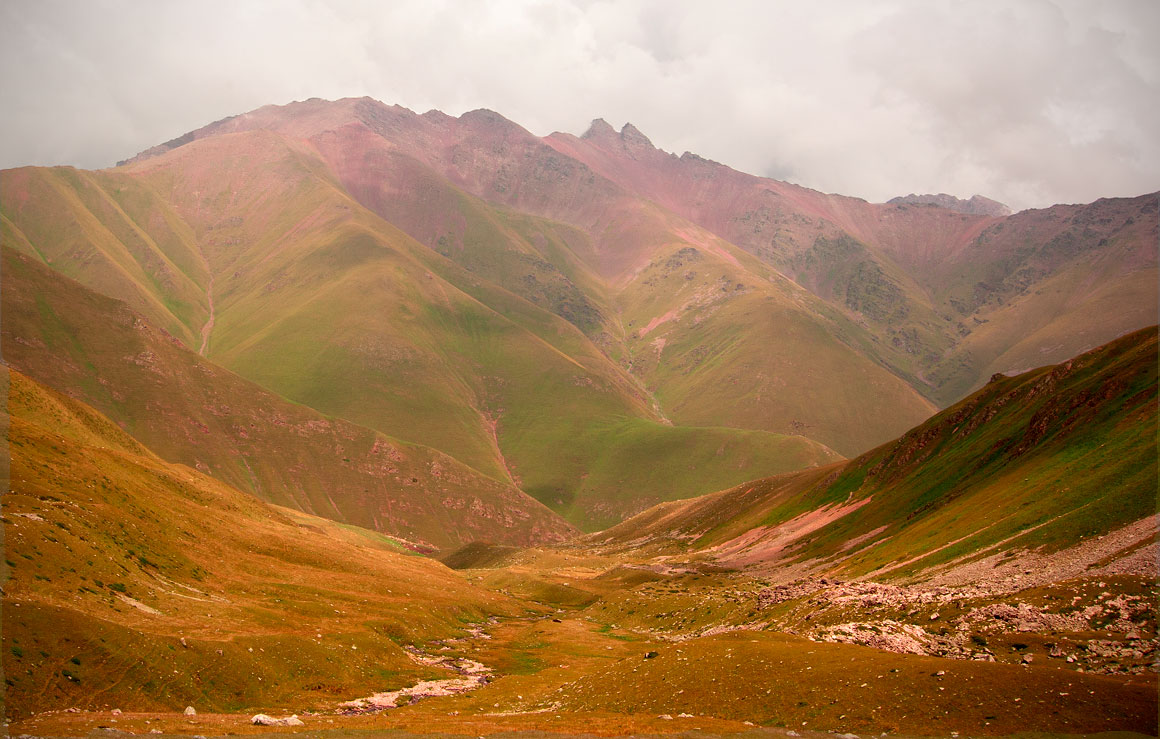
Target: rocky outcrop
{"points": [[976, 206]]}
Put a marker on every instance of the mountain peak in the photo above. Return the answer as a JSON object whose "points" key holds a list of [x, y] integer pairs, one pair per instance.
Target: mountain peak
{"points": [[487, 117], [599, 129], [977, 205], [630, 137], [633, 138]]}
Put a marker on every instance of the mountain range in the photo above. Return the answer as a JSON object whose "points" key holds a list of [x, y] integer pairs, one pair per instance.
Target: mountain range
{"points": [[331, 398], [549, 312]]}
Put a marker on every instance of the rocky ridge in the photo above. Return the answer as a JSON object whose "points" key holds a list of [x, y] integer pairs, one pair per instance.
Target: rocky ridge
{"points": [[977, 205]]}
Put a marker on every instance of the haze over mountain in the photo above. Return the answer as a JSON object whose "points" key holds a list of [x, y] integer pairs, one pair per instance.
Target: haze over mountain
{"points": [[1031, 103]]}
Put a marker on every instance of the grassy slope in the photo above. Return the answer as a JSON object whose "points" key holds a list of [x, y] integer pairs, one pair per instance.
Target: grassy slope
{"points": [[526, 256], [112, 233], [271, 581], [194, 412], [1038, 460], [723, 339], [145, 585], [1071, 311]]}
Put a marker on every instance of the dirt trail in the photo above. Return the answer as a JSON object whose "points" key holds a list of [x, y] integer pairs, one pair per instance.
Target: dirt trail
{"points": [[207, 329]]}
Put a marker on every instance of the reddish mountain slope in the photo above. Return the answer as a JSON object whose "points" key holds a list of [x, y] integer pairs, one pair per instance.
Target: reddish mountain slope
{"points": [[324, 303], [920, 278], [583, 253]]}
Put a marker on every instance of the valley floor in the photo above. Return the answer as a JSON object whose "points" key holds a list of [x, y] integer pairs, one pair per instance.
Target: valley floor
{"points": [[606, 649]]}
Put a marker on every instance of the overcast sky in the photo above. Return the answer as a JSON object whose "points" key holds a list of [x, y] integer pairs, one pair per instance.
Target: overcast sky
{"points": [[1031, 102]]}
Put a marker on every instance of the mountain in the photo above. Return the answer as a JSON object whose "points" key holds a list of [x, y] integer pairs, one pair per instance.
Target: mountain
{"points": [[591, 320], [1040, 461], [256, 370], [137, 583], [977, 205], [312, 295], [193, 412], [945, 298], [441, 179]]}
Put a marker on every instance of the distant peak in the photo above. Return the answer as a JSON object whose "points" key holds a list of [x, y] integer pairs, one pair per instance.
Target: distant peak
{"points": [[599, 129], [977, 205], [632, 137], [488, 119]]}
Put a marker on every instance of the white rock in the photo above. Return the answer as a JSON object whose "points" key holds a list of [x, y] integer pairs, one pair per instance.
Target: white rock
{"points": [[190, 711], [262, 719]]}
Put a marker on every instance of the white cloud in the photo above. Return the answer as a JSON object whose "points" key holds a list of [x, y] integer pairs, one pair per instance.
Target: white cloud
{"points": [[1031, 102]]}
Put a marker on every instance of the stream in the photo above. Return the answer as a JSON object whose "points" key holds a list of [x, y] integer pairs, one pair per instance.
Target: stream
{"points": [[471, 675]]}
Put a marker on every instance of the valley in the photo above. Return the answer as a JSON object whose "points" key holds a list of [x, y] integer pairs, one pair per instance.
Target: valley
{"points": [[409, 423]]}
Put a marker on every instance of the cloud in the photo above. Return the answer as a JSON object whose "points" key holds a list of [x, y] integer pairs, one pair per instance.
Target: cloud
{"points": [[1030, 102]]}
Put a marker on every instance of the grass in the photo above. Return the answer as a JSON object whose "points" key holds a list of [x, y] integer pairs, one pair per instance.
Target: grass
{"points": [[268, 603]]}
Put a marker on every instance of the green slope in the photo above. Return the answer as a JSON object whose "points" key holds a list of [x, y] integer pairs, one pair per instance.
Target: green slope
{"points": [[194, 412], [1040, 460], [942, 297], [112, 233], [506, 207], [721, 338]]}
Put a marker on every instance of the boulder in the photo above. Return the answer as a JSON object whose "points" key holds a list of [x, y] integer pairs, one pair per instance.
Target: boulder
{"points": [[190, 711]]}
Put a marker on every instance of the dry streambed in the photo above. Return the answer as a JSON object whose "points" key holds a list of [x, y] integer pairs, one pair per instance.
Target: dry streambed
{"points": [[471, 675]]}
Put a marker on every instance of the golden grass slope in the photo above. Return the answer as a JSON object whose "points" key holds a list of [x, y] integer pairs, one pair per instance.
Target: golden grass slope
{"points": [[144, 585]]}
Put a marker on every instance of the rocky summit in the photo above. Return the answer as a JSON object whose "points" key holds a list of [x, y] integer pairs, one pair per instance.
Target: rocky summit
{"points": [[338, 416]]}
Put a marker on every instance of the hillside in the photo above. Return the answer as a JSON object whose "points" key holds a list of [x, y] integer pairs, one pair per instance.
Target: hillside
{"points": [[193, 412], [197, 413], [149, 586], [142, 587], [1041, 461]]}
